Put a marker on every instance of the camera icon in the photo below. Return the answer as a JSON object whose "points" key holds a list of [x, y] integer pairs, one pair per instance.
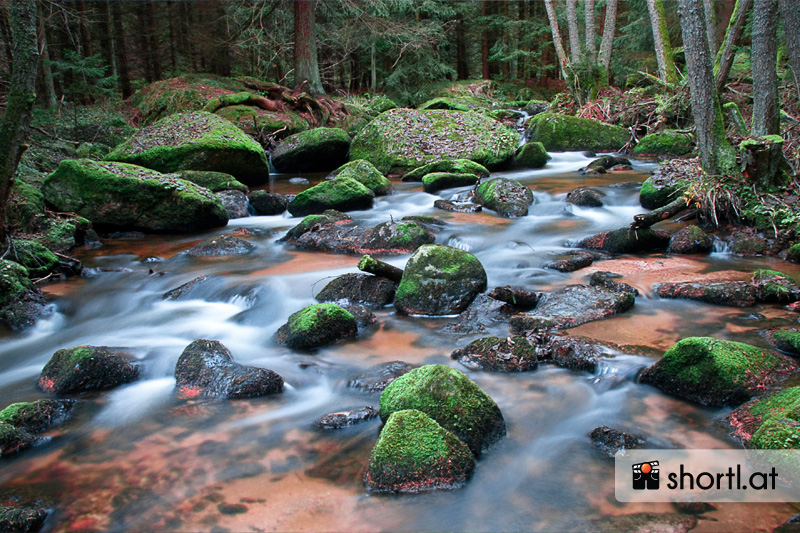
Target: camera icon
{"points": [[645, 476]]}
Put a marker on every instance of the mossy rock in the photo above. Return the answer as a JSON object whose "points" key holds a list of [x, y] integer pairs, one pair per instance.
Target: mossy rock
{"points": [[213, 181], [38, 259], [437, 181], [13, 440], [509, 198], [21, 517], [327, 217], [785, 340], [451, 399], [667, 142], [690, 240], [195, 141], [316, 326], [793, 253], [415, 454], [559, 133], [256, 122], [14, 281], [84, 369], [37, 416], [657, 193], [221, 246], [312, 150], [345, 194], [25, 206], [716, 372], [770, 421], [61, 234], [127, 197], [359, 289], [394, 237], [439, 280], [584, 197], [267, 203], [367, 175], [627, 241], [775, 287], [400, 140], [380, 104], [531, 155], [455, 166], [512, 354]]}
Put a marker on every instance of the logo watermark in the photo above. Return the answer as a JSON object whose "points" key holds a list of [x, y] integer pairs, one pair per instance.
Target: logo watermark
{"points": [[707, 476]]}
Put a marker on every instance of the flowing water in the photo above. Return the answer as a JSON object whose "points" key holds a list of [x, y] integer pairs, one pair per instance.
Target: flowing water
{"points": [[139, 459]]}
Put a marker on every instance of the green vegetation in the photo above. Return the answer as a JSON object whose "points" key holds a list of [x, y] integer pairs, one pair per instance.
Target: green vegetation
{"points": [[367, 175], [665, 143], [532, 155], [14, 281], [317, 325], [345, 194], [560, 133]]}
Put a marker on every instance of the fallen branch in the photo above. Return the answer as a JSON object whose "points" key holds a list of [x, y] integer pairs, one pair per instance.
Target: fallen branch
{"points": [[379, 268], [658, 215]]}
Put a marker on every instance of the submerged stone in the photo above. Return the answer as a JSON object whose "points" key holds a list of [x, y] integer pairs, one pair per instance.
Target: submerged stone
{"points": [[316, 326], [84, 369], [611, 441]]}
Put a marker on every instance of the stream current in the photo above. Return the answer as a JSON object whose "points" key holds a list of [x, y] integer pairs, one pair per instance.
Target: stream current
{"points": [[138, 459]]}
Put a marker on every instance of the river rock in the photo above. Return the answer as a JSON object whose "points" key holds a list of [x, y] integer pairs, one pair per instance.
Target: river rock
{"points": [[22, 518], [572, 353], [660, 189], [611, 441], [367, 175], [690, 240], [667, 142], [195, 141], [359, 289], [604, 163], [531, 155], [559, 133], [439, 280], [509, 198], [769, 421], [775, 287], [316, 326], [512, 354], [716, 372], [457, 207], [785, 340], [84, 369], [343, 194], [312, 150], [732, 293], [344, 237], [574, 261], [315, 223], [222, 246], [268, 204], [186, 290], [414, 454], [641, 523], [627, 241], [453, 166], [376, 378], [122, 196], [607, 280], [213, 181], [572, 306], [437, 181], [481, 315], [748, 245], [400, 140], [235, 203], [21, 423], [450, 398], [206, 368], [21, 302], [343, 419], [515, 296], [584, 197]]}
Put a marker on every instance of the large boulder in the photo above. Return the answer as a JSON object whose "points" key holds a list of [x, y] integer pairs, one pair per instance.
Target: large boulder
{"points": [[316, 326], [359, 289], [716, 372], [565, 133], [367, 175], [415, 454], [439, 280], [195, 141], [122, 196], [450, 398], [84, 369], [344, 194], [769, 422], [313, 150], [455, 166], [403, 139], [509, 198], [668, 142], [206, 368]]}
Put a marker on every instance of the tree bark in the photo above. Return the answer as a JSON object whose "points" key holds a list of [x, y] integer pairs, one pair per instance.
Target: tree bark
{"points": [[121, 51], [609, 28], [379, 268], [574, 32], [659, 215], [790, 16], [152, 36], [663, 49], [306, 68], [726, 53], [485, 41], [560, 53], [764, 58], [462, 65], [716, 154], [22, 94], [711, 25], [44, 55], [591, 47]]}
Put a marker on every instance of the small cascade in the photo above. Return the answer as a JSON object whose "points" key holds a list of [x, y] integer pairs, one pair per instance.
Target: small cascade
{"points": [[721, 246], [520, 126]]}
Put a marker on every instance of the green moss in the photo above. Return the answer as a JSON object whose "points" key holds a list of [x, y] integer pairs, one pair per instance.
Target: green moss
{"points": [[775, 286], [213, 181], [366, 262], [406, 233], [508, 197], [532, 155], [14, 281], [380, 104], [656, 193], [25, 205], [367, 175], [665, 143], [562, 132], [437, 181], [35, 416], [455, 166], [777, 434], [39, 260], [793, 253], [787, 340], [316, 326], [344, 194], [316, 316], [451, 399]]}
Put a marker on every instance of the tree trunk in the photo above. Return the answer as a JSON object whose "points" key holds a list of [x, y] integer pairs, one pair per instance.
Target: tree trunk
{"points": [[560, 53], [306, 68], [44, 56], [121, 51], [5, 35], [83, 24], [663, 49], [609, 29], [22, 94], [764, 58], [462, 65], [726, 54], [591, 47], [716, 154], [711, 25], [790, 15], [485, 41], [173, 37], [574, 32], [220, 52], [152, 35]]}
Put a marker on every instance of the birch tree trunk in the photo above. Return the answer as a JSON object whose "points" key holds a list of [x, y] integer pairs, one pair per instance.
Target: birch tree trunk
{"points": [[306, 68], [609, 28], [726, 54], [663, 49], [574, 32], [790, 16], [764, 58], [591, 47], [22, 94], [561, 55], [716, 154]]}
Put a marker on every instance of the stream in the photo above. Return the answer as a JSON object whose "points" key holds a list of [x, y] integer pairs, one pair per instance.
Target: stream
{"points": [[137, 458]]}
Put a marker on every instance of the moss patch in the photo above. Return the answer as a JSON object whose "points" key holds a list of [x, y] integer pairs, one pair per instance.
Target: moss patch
{"points": [[213, 181], [562, 132], [343, 194], [14, 281], [656, 193], [532, 155], [437, 181], [367, 175], [665, 143], [317, 325], [769, 422], [39, 260], [312, 150]]}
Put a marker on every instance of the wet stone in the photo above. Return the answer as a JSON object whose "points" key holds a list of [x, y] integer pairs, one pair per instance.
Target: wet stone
{"points": [[360, 289], [731, 293], [611, 441], [232, 508], [606, 279], [347, 418], [267, 204], [512, 354], [222, 246], [583, 197], [574, 353], [376, 378], [573, 262], [22, 518], [641, 522], [457, 207], [483, 313], [86, 368], [185, 290], [515, 296], [235, 203]]}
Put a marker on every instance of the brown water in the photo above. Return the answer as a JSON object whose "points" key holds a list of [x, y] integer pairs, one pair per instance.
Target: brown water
{"points": [[138, 459]]}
